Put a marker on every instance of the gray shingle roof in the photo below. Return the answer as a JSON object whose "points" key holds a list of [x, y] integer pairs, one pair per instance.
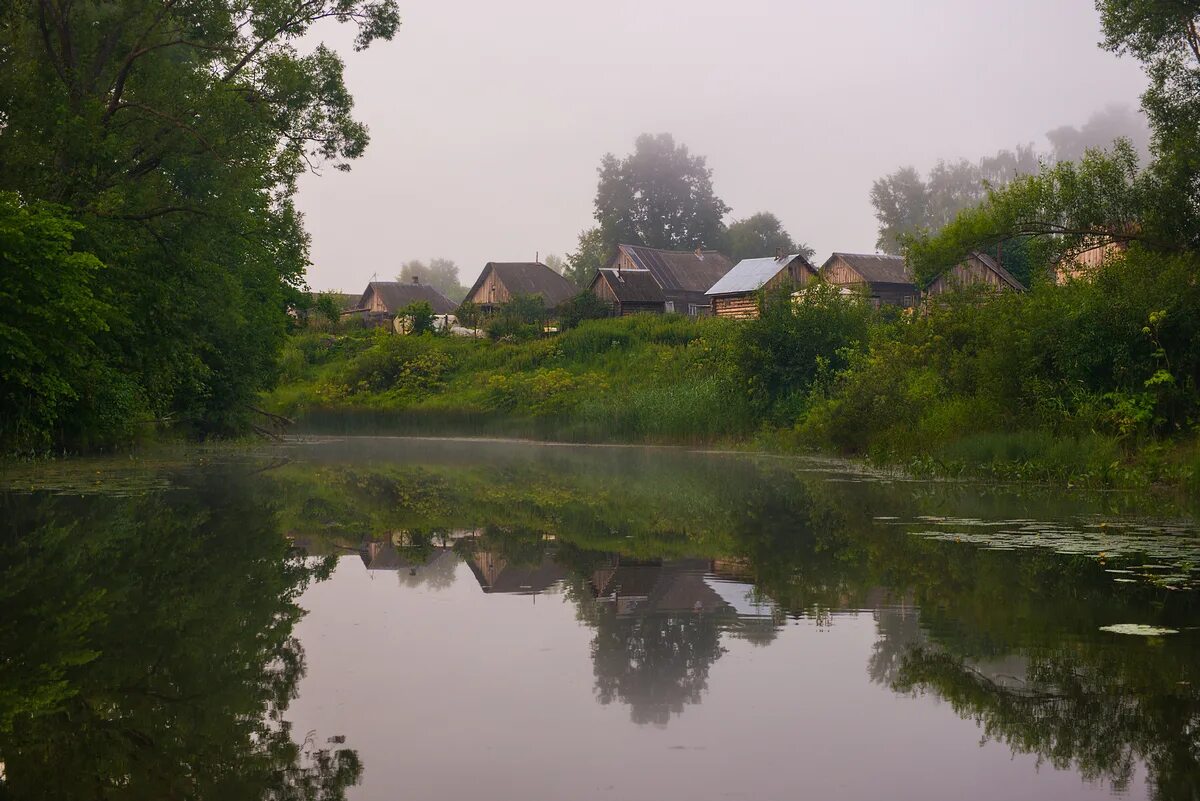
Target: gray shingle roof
{"points": [[633, 286], [396, 295], [680, 270], [528, 278], [876, 268]]}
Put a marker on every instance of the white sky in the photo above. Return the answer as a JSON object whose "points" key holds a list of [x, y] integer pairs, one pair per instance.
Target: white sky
{"points": [[488, 119]]}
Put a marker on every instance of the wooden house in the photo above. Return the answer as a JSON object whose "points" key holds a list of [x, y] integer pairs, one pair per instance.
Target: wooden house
{"points": [[736, 293], [682, 276], [383, 300], [884, 278], [1084, 263], [628, 291], [978, 268], [500, 282], [496, 575]]}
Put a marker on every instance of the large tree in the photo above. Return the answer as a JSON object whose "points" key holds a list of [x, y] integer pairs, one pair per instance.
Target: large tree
{"points": [[173, 134], [591, 254], [441, 274], [1165, 36], [660, 196], [761, 235]]}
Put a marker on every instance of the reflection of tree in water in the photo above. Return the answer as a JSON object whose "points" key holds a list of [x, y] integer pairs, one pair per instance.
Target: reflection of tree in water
{"points": [[656, 664], [899, 631], [1101, 713], [151, 650]]}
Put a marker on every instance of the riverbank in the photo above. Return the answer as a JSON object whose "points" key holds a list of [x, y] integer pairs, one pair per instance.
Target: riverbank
{"points": [[939, 395]]}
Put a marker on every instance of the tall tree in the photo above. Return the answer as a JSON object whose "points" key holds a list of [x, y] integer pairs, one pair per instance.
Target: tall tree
{"points": [[555, 262], [441, 274], [174, 134], [1165, 36], [761, 235], [901, 202], [591, 253], [660, 196]]}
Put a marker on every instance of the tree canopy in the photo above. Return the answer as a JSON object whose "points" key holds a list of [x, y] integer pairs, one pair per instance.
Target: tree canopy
{"points": [[761, 235], [172, 136], [441, 274], [660, 196]]}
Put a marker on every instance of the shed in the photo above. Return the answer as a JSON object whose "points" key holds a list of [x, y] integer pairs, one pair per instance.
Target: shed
{"points": [[736, 293], [977, 268], [682, 276], [628, 291], [383, 300], [885, 278], [501, 281]]}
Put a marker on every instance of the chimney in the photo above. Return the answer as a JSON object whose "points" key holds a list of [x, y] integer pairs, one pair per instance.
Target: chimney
{"points": [[700, 253], [416, 279], [778, 254]]}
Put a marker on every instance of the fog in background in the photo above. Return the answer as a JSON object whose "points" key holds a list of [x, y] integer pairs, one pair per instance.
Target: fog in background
{"points": [[488, 120]]}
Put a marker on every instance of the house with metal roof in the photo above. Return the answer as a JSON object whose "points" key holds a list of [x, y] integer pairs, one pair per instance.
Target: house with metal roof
{"points": [[736, 294], [682, 276], [628, 291], [885, 279], [500, 282], [383, 300]]}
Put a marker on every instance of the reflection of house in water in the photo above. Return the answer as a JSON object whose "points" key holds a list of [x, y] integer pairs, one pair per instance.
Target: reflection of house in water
{"points": [[683, 585], [496, 574], [432, 566]]}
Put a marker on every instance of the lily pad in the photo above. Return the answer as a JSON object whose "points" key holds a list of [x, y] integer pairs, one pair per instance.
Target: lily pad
{"points": [[1138, 630]]}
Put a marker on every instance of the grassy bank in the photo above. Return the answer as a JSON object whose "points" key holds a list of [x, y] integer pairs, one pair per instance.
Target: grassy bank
{"points": [[1089, 384]]}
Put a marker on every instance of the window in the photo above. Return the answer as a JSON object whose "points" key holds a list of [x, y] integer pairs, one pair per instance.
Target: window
{"points": [[669, 307], [693, 309]]}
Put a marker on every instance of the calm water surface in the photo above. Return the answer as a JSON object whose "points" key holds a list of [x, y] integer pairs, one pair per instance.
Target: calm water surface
{"points": [[428, 619]]}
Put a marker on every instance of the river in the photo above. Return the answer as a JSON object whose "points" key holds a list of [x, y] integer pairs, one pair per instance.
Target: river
{"points": [[379, 618]]}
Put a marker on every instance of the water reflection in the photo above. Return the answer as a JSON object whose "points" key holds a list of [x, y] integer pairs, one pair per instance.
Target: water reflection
{"points": [[155, 642], [146, 650]]}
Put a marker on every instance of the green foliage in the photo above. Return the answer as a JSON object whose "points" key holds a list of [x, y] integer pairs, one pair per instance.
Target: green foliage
{"points": [[761, 235], [521, 317], [417, 318], [51, 320], [175, 135], [797, 343], [660, 196], [592, 253], [584, 306], [1064, 209], [328, 307]]}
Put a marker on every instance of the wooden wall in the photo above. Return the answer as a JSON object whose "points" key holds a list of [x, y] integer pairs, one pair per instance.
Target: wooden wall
{"points": [[839, 273], [739, 307], [491, 292], [971, 272], [1089, 260]]}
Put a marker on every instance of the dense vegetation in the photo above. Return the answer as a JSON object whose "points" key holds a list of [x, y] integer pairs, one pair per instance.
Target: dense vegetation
{"points": [[1094, 381], [149, 246]]}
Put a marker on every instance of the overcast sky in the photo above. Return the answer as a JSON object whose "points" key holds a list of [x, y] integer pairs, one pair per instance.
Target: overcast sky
{"points": [[488, 119]]}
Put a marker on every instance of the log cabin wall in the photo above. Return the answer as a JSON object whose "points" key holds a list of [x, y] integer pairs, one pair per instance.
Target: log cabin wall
{"points": [[737, 307]]}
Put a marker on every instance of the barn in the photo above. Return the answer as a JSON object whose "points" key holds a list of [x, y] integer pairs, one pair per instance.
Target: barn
{"points": [[884, 278], [628, 291], [383, 300], [977, 268], [501, 281], [736, 293], [682, 276]]}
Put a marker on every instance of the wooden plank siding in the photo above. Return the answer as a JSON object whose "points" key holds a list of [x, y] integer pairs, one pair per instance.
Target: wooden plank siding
{"points": [[973, 271], [738, 307], [491, 292]]}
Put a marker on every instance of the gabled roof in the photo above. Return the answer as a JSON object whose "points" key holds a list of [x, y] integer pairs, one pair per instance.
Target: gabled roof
{"points": [[875, 268], [749, 275], [528, 278], [684, 271], [396, 295], [631, 286], [999, 270]]}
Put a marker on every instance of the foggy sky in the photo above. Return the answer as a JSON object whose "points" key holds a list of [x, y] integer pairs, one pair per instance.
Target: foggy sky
{"points": [[488, 119]]}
